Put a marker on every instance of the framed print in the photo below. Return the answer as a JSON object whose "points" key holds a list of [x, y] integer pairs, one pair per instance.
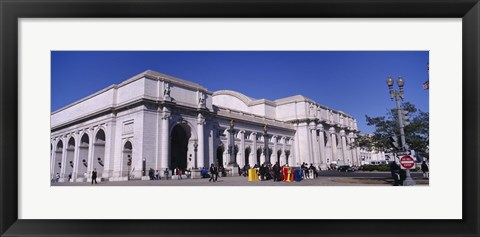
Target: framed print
{"points": [[144, 96]]}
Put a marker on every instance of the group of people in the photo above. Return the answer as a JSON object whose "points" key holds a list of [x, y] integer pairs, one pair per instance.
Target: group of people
{"points": [[309, 172], [177, 172], [153, 174], [94, 176], [274, 172]]}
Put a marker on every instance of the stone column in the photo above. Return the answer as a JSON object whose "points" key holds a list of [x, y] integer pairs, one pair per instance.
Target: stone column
{"points": [[240, 154], [353, 153], [228, 159], [315, 150], [201, 141], [76, 158], [262, 156], [333, 141], [165, 139], [64, 158], [283, 157], [292, 156], [211, 150], [346, 159], [109, 149], [253, 153], [52, 158], [274, 155], [295, 144], [321, 141], [91, 148]]}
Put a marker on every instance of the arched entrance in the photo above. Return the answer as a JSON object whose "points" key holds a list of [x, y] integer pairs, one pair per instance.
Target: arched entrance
{"points": [[259, 154], [70, 157], [220, 150], [83, 157], [127, 159], [99, 152], [179, 146], [287, 156], [57, 160], [247, 154]]}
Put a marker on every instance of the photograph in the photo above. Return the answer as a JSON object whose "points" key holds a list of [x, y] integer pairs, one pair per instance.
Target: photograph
{"points": [[239, 118]]}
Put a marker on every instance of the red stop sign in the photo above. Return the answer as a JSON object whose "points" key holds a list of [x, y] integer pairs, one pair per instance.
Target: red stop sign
{"points": [[407, 162]]}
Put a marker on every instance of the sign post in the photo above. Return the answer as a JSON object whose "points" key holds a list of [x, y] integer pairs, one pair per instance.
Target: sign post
{"points": [[407, 162]]}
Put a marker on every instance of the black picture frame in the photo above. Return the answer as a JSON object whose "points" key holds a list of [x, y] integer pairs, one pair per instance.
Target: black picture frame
{"points": [[11, 11]]}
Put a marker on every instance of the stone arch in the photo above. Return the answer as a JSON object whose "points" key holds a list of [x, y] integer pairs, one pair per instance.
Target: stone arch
{"points": [[99, 141], [287, 156], [192, 128], [98, 128], [247, 152], [127, 151], [180, 139], [279, 154], [70, 156], [259, 155], [57, 158], [219, 154], [82, 163]]}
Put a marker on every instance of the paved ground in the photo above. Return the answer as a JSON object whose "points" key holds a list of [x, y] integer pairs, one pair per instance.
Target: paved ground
{"points": [[326, 178]]}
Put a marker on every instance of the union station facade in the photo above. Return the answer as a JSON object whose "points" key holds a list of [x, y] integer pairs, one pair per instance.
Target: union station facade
{"points": [[161, 122]]}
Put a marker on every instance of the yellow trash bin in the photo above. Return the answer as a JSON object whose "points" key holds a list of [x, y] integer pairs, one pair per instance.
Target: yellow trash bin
{"points": [[252, 175]]}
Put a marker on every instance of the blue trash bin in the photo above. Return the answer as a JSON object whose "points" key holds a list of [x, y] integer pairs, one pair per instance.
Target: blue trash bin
{"points": [[298, 175]]}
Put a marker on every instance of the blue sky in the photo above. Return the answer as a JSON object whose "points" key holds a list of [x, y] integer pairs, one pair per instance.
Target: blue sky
{"points": [[350, 81]]}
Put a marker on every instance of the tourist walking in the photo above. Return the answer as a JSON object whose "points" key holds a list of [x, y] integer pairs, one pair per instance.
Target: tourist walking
{"points": [[425, 169], [157, 175], [179, 173], [214, 173], [94, 175]]}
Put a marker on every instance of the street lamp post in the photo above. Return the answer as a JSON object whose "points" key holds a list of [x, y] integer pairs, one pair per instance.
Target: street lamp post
{"points": [[195, 149], [399, 95]]}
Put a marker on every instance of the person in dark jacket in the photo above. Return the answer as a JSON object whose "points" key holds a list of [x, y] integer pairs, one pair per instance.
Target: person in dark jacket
{"points": [[395, 171], [214, 173], [276, 172], [425, 169], [150, 174], [262, 172], [94, 175]]}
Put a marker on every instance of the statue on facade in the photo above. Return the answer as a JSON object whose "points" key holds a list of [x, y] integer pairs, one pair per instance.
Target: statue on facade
{"points": [[201, 100], [166, 91]]}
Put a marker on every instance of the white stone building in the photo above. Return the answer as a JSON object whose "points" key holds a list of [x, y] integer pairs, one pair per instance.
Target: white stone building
{"points": [[158, 121], [373, 157]]}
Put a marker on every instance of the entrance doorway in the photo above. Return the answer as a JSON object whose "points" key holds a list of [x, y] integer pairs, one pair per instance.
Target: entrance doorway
{"points": [[180, 137], [247, 154], [127, 159], [220, 155], [99, 152], [259, 154]]}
